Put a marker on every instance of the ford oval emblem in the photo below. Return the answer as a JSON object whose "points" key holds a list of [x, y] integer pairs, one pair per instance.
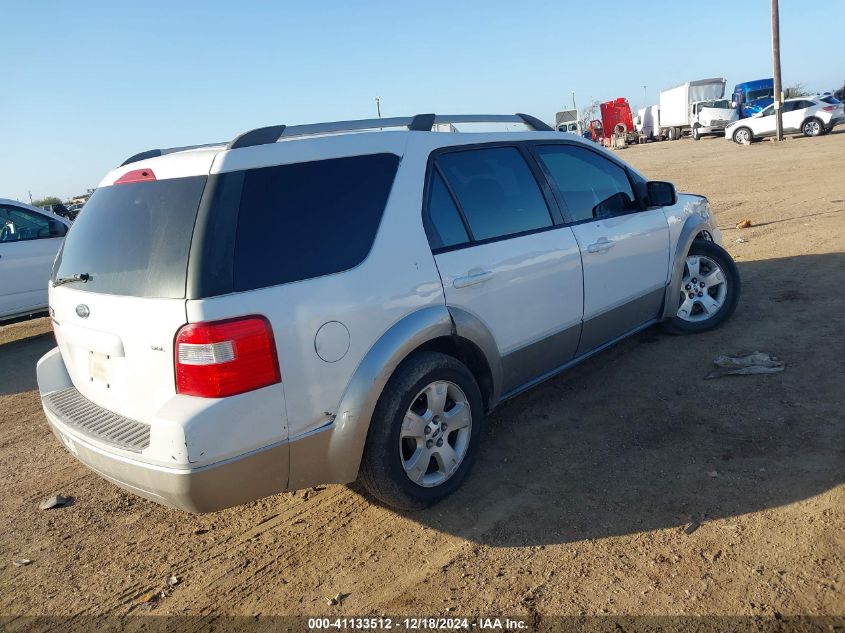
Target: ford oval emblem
{"points": [[82, 311]]}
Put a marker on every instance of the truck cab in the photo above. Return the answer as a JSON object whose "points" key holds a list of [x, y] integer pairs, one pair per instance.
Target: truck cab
{"points": [[751, 97], [711, 117]]}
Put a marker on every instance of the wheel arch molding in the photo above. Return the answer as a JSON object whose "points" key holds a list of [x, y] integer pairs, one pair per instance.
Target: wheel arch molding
{"points": [[694, 226]]}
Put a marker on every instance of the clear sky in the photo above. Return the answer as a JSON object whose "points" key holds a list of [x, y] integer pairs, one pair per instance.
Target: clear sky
{"points": [[86, 84]]}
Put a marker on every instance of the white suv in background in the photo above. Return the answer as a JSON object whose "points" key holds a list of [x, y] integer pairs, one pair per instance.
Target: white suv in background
{"points": [[811, 116], [29, 240], [318, 303]]}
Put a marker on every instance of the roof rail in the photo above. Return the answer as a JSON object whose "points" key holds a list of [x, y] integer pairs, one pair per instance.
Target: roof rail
{"points": [[152, 153], [416, 123]]}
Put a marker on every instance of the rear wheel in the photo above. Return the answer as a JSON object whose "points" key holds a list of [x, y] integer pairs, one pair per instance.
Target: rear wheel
{"points": [[425, 432], [812, 127], [743, 136], [709, 289]]}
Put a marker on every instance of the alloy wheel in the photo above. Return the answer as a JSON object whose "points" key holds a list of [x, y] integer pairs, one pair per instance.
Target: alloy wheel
{"points": [[704, 289], [812, 128], [435, 434]]}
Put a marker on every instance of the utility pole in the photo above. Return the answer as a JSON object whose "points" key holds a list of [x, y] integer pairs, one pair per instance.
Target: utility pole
{"points": [[30, 197], [645, 99], [573, 103], [378, 106], [776, 61]]}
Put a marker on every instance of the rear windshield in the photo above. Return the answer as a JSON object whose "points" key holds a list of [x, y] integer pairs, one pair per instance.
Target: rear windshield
{"points": [[831, 100], [134, 239]]}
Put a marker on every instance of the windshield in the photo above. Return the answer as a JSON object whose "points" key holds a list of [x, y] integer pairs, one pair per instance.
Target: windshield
{"points": [[133, 239], [723, 104], [753, 95]]}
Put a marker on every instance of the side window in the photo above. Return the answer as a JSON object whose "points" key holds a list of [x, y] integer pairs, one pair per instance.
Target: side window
{"points": [[496, 191], [768, 111], [592, 187], [804, 104], [443, 222], [18, 224], [310, 219]]}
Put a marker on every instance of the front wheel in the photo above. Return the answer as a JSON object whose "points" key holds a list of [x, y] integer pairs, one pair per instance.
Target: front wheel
{"points": [[742, 136], [424, 434], [696, 134], [709, 290]]}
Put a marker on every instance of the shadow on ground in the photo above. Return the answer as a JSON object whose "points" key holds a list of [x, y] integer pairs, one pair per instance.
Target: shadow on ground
{"points": [[18, 360], [635, 439]]}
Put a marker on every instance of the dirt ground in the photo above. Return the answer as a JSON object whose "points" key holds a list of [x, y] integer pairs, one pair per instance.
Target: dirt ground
{"points": [[584, 485]]}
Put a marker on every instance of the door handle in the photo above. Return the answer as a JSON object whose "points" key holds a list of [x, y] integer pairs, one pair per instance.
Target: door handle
{"points": [[473, 279], [602, 245]]}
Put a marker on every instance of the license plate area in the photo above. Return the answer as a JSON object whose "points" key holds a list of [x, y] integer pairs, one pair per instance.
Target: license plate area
{"points": [[98, 369]]}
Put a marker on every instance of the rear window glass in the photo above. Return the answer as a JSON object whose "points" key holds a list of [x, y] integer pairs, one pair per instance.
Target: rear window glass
{"points": [[134, 239], [309, 219], [831, 100]]}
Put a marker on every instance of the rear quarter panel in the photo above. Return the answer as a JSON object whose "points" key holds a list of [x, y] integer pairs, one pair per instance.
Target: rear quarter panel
{"points": [[398, 277]]}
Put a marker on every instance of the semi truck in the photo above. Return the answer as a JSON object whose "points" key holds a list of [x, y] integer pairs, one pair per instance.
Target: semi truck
{"points": [[750, 97], [695, 107]]}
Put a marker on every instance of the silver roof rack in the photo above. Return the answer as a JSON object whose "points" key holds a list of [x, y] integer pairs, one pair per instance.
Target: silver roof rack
{"points": [[416, 123]]}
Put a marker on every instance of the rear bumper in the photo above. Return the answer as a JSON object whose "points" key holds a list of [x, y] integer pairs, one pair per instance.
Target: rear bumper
{"points": [[222, 485], [205, 488], [326, 455]]}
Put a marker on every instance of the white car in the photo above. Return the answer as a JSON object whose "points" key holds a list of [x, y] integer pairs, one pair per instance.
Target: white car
{"points": [[313, 304], [811, 116], [29, 240]]}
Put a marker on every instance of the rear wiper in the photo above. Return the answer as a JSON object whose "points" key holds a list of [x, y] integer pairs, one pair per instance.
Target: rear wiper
{"points": [[60, 281]]}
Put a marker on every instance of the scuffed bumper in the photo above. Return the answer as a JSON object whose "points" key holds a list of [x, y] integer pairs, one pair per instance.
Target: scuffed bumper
{"points": [[207, 488]]}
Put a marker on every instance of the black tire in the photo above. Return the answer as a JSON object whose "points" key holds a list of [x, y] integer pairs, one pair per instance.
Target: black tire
{"points": [[382, 473], [733, 284], [812, 127], [737, 134], [696, 136]]}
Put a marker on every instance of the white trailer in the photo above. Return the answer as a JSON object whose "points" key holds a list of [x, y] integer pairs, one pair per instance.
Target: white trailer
{"points": [[647, 122], [677, 114]]}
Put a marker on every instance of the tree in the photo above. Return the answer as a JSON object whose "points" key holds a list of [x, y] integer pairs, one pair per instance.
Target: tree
{"points": [[797, 90], [589, 113], [45, 202]]}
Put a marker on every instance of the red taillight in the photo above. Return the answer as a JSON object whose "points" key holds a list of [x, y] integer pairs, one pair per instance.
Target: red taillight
{"points": [[829, 108], [136, 175], [225, 358]]}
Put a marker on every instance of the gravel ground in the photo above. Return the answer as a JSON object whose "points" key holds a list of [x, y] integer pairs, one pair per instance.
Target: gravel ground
{"points": [[579, 502]]}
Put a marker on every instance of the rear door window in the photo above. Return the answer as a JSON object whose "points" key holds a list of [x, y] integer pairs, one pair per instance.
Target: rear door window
{"points": [[309, 219], [134, 239], [496, 190]]}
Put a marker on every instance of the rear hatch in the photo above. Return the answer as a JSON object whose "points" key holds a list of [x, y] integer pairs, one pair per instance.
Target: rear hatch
{"points": [[116, 329]]}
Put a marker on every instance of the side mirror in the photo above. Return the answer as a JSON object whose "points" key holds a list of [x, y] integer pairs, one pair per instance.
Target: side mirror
{"points": [[661, 194], [57, 229]]}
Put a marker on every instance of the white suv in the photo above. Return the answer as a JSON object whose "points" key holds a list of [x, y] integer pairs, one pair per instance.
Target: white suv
{"points": [[309, 305], [811, 116]]}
